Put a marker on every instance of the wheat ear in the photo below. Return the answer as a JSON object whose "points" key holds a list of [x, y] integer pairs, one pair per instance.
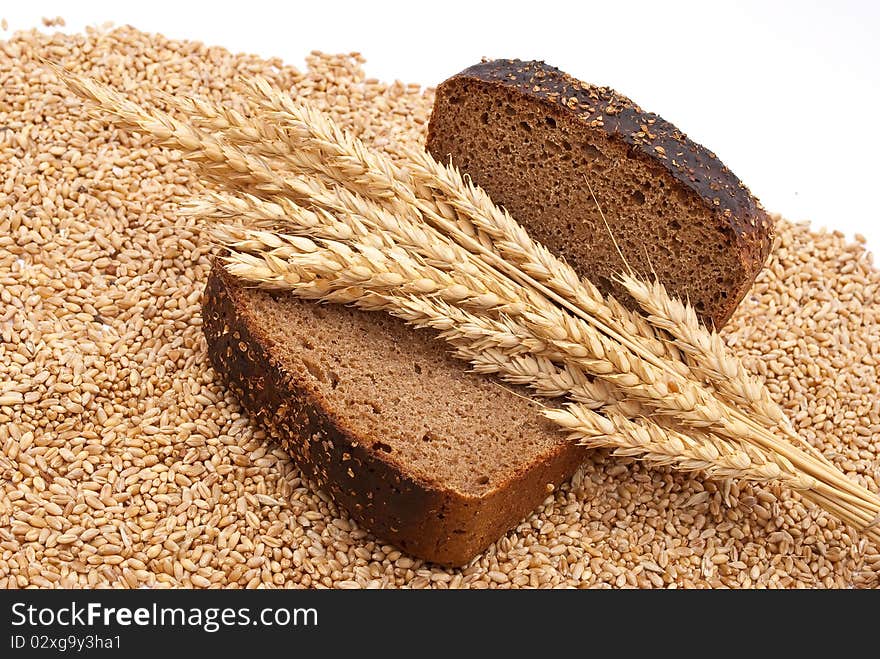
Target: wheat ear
{"points": [[314, 128], [264, 136], [643, 439], [355, 219], [332, 142], [705, 351], [491, 346], [230, 164], [708, 356], [287, 258]]}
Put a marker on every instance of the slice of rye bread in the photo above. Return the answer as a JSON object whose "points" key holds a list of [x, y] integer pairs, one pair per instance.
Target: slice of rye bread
{"points": [[424, 454], [532, 136]]}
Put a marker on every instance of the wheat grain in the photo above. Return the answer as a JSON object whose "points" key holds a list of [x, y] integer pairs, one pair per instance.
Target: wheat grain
{"points": [[807, 329]]}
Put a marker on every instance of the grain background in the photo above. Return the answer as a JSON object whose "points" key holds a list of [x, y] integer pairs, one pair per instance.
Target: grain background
{"points": [[124, 463]]}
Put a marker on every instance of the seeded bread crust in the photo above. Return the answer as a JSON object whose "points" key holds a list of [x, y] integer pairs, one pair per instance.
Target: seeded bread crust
{"points": [[648, 136], [427, 519]]}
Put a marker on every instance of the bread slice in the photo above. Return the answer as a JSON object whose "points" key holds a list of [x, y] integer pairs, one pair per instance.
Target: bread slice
{"points": [[437, 460], [533, 137]]}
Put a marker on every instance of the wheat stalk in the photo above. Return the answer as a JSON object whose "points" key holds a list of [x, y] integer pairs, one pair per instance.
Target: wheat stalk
{"points": [[692, 405], [583, 330]]}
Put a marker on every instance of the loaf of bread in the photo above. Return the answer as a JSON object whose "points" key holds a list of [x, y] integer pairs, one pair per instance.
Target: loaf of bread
{"points": [[436, 460], [537, 140]]}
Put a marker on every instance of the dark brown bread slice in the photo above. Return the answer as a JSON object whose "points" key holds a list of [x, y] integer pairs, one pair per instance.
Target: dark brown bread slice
{"points": [[532, 136], [422, 453]]}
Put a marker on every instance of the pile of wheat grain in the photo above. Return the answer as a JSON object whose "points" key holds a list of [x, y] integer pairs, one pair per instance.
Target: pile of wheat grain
{"points": [[125, 463]]}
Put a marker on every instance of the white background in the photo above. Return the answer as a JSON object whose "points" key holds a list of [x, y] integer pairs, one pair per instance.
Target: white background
{"points": [[786, 93]]}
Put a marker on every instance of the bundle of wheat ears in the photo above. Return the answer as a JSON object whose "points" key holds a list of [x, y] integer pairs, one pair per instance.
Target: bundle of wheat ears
{"points": [[307, 208]]}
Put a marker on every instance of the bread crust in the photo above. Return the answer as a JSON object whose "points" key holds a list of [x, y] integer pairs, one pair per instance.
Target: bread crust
{"points": [[649, 137], [426, 519]]}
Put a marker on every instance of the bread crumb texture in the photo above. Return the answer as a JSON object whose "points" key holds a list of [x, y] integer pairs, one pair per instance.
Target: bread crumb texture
{"points": [[124, 462]]}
